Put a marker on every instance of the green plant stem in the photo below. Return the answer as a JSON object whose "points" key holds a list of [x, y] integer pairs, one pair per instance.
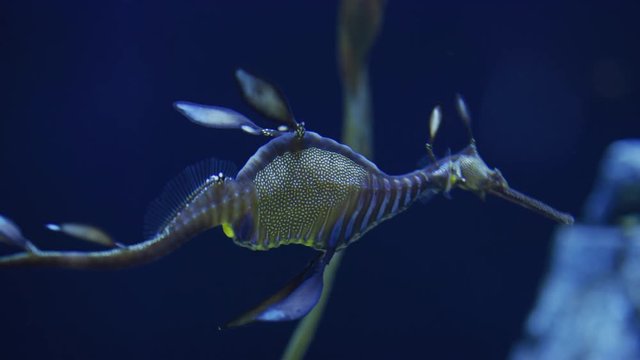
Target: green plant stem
{"points": [[359, 24]]}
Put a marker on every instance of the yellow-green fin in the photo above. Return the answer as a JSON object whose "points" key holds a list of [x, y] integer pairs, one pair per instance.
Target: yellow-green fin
{"points": [[228, 230]]}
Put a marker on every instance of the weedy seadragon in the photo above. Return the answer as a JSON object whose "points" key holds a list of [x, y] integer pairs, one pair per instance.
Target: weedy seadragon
{"points": [[298, 188]]}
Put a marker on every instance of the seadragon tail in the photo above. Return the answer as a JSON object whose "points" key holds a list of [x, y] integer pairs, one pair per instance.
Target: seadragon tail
{"points": [[217, 201]]}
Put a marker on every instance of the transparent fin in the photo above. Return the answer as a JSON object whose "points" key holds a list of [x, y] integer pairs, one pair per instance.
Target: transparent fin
{"points": [[463, 112], [217, 117], [11, 234], [293, 301], [182, 189], [434, 123], [85, 232], [266, 99]]}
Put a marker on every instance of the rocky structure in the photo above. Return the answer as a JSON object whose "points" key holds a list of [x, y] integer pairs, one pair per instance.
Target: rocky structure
{"points": [[589, 304]]}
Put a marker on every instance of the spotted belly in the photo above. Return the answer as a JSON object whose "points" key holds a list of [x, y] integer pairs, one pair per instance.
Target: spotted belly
{"points": [[303, 198]]}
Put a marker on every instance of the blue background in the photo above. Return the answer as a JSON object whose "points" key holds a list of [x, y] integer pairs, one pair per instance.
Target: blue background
{"points": [[88, 134]]}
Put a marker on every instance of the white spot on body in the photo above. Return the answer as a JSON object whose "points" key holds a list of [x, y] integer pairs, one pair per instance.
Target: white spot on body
{"points": [[298, 190]]}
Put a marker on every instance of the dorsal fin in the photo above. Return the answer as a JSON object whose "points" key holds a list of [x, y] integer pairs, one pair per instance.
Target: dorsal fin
{"points": [[181, 190]]}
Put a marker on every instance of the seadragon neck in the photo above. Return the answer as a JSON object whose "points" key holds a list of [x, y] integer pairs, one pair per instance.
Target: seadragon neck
{"points": [[385, 196]]}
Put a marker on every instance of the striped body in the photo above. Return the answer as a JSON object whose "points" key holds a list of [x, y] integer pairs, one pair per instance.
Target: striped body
{"points": [[299, 188], [311, 191], [319, 193]]}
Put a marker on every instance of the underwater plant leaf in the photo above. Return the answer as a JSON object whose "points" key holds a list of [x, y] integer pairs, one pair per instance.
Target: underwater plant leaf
{"points": [[463, 110], [85, 232], [11, 234], [265, 98], [434, 122], [217, 117]]}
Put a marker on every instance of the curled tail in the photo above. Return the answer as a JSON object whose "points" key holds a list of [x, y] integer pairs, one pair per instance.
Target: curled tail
{"points": [[219, 200]]}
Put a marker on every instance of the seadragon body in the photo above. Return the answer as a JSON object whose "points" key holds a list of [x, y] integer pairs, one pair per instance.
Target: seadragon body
{"points": [[299, 188]]}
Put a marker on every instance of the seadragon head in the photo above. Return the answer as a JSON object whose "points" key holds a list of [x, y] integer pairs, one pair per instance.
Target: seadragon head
{"points": [[466, 170]]}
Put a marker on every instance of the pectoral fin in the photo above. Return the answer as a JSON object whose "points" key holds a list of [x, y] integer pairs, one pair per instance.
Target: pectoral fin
{"points": [[291, 302]]}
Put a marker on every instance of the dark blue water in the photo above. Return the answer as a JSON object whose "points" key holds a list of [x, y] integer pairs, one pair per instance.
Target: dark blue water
{"points": [[88, 134]]}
